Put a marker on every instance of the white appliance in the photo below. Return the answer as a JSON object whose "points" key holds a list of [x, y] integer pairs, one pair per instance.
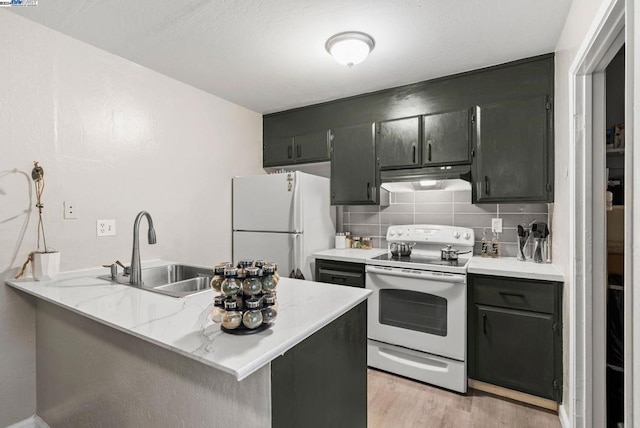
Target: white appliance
{"points": [[283, 217], [417, 314]]}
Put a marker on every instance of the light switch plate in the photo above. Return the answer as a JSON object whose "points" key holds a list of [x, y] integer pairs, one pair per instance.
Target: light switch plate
{"points": [[105, 227], [496, 225]]}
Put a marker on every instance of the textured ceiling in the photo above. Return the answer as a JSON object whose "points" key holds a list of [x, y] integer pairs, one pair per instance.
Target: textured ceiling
{"points": [[268, 55]]}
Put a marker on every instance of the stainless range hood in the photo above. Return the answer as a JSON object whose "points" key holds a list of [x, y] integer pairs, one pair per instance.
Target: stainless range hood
{"points": [[427, 173]]}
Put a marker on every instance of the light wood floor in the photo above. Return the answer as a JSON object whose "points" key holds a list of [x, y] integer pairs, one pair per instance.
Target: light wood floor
{"points": [[397, 402]]}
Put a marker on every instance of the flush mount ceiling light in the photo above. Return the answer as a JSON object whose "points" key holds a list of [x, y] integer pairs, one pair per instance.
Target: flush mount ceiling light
{"points": [[350, 47]]}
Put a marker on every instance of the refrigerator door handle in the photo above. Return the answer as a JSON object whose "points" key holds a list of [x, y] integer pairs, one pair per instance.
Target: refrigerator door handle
{"points": [[296, 203]]}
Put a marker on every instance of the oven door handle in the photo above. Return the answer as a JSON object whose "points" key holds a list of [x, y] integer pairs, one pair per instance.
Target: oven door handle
{"points": [[405, 273]]}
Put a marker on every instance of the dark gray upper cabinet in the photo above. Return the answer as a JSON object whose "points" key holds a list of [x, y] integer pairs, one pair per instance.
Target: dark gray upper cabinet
{"points": [[354, 172], [277, 151], [398, 142], [509, 145], [447, 138], [311, 147], [512, 152]]}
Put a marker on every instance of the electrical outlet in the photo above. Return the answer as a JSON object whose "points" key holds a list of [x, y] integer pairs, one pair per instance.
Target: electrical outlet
{"points": [[105, 227], [70, 211], [496, 225]]}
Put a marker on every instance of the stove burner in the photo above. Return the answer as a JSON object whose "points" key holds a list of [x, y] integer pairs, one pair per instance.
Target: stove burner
{"points": [[423, 260]]}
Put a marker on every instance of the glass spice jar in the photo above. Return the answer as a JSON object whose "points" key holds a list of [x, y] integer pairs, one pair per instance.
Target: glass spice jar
{"points": [[366, 243], [230, 286], [355, 242], [252, 284], [269, 279], [218, 309], [270, 310], [252, 318], [232, 316], [218, 277]]}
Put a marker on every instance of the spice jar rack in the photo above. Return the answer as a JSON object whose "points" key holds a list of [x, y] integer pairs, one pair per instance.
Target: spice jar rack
{"points": [[247, 302]]}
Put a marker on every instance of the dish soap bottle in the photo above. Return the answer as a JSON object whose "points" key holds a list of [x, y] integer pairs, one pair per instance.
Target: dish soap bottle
{"points": [[495, 246], [484, 252]]}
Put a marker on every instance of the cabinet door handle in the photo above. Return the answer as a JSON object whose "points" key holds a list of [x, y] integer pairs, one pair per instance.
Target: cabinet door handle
{"points": [[289, 152], [299, 150], [414, 153], [506, 293], [486, 185], [429, 152], [368, 190], [338, 279], [484, 323]]}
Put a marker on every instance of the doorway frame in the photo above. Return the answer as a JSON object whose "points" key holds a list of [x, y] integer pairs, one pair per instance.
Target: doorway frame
{"points": [[587, 172]]}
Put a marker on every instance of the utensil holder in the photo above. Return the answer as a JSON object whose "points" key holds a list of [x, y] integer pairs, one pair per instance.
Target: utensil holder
{"points": [[537, 250], [522, 246]]}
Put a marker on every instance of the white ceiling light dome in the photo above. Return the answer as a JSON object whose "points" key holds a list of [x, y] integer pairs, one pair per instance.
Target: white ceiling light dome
{"points": [[350, 47]]}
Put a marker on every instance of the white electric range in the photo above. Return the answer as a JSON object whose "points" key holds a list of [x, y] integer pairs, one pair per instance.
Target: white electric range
{"points": [[417, 314]]}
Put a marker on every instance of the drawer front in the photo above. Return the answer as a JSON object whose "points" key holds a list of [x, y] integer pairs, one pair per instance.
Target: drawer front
{"points": [[528, 295], [342, 273]]}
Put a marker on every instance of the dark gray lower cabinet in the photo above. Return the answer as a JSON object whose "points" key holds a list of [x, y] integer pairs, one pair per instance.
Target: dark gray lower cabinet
{"points": [[354, 168], [322, 382], [342, 273], [515, 334]]}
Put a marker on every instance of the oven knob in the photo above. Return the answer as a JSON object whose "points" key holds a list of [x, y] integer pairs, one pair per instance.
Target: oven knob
{"points": [[400, 232], [392, 233], [467, 235], [456, 234]]}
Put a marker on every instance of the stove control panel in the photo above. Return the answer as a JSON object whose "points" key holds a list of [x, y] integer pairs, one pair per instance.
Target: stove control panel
{"points": [[431, 234]]}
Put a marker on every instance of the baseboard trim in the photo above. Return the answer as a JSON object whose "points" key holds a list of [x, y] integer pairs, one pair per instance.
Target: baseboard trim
{"points": [[514, 395], [564, 417], [34, 421]]}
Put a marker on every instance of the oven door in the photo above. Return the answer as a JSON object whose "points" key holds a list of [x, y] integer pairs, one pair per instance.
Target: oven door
{"points": [[421, 310]]}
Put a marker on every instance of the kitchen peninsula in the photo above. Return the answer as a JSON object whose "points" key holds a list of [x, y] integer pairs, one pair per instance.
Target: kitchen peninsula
{"points": [[113, 355]]}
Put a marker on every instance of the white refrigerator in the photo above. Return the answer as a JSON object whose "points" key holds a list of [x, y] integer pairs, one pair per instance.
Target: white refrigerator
{"points": [[284, 218]]}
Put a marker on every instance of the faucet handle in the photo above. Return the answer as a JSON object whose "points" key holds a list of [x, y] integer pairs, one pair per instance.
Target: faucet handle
{"points": [[114, 269]]}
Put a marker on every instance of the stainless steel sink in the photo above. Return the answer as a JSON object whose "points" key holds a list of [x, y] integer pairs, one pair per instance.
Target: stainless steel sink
{"points": [[176, 280]]}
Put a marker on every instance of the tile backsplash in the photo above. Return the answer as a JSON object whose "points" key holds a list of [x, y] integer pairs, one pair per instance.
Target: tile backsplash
{"points": [[444, 207]]}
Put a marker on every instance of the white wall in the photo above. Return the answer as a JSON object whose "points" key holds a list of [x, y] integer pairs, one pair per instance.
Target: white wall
{"points": [[114, 138], [579, 20]]}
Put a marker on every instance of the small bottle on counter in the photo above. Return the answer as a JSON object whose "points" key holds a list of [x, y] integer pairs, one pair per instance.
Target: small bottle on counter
{"points": [[347, 240], [252, 318], [484, 250], [252, 284], [270, 310], [495, 246], [355, 242], [366, 243], [218, 309], [218, 277], [269, 280], [232, 316], [230, 286]]}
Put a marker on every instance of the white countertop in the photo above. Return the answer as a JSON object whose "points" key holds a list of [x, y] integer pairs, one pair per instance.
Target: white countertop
{"points": [[184, 325], [512, 267], [352, 255]]}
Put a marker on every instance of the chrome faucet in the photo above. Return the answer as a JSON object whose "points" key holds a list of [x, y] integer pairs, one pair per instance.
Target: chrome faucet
{"points": [[136, 271]]}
